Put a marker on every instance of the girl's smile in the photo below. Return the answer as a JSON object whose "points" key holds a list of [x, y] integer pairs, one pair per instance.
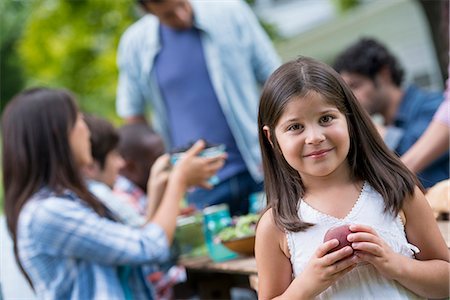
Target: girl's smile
{"points": [[318, 154]]}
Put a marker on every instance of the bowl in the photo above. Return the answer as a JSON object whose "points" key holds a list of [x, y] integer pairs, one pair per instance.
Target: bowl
{"points": [[244, 245]]}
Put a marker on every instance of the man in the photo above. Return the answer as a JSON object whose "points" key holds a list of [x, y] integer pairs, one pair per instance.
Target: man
{"points": [[375, 77], [199, 65]]}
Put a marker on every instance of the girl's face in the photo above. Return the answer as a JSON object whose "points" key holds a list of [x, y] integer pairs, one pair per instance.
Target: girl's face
{"points": [[79, 142], [313, 137], [113, 163]]}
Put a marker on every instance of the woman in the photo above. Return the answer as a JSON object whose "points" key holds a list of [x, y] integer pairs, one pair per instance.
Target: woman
{"points": [[67, 242]]}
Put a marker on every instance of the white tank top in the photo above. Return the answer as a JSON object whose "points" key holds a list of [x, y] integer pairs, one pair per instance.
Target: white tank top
{"points": [[364, 281]]}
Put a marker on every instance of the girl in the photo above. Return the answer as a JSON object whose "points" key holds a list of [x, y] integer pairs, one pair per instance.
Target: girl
{"points": [[325, 165], [64, 239]]}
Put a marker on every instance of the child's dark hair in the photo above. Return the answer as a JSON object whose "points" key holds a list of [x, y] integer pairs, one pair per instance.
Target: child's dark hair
{"points": [[368, 57], [104, 137], [368, 158]]}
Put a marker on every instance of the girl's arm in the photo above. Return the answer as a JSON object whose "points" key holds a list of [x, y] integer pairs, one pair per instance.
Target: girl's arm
{"points": [[156, 184], [62, 227], [275, 270], [274, 267], [428, 275]]}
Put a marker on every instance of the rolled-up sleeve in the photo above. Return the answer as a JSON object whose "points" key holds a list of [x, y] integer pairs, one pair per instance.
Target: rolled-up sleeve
{"points": [[130, 101], [62, 227]]}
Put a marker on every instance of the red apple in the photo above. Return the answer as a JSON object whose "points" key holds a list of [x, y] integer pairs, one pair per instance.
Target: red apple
{"points": [[340, 233]]}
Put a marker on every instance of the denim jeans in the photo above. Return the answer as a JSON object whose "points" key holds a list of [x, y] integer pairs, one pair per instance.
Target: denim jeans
{"points": [[234, 191]]}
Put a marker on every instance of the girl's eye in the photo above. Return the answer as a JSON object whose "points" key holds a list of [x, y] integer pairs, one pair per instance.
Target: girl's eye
{"points": [[294, 127], [326, 119]]}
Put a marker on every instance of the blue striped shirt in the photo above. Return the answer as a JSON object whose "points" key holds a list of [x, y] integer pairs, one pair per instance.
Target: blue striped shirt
{"points": [[70, 252]]}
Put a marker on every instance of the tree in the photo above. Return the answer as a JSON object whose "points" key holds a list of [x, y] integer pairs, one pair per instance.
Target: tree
{"points": [[73, 44], [12, 79], [437, 14]]}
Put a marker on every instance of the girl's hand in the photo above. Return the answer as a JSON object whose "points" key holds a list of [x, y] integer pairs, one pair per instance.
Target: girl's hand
{"points": [[157, 182], [193, 170], [324, 269], [159, 173], [371, 248]]}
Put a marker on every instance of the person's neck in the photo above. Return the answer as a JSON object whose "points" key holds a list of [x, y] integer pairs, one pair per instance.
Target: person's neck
{"points": [[336, 179], [395, 95]]}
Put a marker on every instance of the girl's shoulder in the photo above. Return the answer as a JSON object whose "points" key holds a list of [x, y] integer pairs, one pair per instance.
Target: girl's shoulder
{"points": [[267, 230], [266, 223]]}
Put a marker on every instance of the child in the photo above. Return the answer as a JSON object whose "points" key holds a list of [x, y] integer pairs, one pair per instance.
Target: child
{"points": [[102, 173], [325, 165], [64, 239], [140, 147]]}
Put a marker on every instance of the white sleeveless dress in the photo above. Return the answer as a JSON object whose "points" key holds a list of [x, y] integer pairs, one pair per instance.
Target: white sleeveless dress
{"points": [[364, 281]]}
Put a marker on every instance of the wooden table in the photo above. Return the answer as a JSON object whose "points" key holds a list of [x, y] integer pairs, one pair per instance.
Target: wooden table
{"points": [[213, 280], [240, 265]]}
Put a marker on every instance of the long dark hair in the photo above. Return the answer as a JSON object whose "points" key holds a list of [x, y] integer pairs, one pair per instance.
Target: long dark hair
{"points": [[368, 157], [36, 152]]}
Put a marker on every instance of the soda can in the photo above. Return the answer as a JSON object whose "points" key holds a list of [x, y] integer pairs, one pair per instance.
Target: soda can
{"points": [[216, 218]]}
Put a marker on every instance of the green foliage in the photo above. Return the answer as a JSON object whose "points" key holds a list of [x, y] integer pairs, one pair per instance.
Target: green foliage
{"points": [[345, 5], [73, 44], [270, 28], [12, 17]]}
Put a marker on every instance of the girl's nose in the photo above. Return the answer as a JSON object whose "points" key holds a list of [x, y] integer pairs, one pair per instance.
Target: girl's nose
{"points": [[314, 135]]}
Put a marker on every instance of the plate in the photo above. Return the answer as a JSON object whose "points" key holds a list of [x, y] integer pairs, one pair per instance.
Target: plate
{"points": [[244, 245]]}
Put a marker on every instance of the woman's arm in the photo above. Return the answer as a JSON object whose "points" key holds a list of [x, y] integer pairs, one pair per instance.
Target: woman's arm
{"points": [[428, 275], [67, 228]]}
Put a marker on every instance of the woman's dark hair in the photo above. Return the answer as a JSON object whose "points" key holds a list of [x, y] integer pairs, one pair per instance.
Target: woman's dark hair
{"points": [[104, 137], [36, 152], [368, 57], [368, 158]]}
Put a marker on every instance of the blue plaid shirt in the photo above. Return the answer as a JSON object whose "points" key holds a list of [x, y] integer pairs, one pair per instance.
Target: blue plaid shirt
{"points": [[70, 252], [239, 57]]}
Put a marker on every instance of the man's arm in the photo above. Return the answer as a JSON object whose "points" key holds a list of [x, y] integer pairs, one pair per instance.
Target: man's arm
{"points": [[431, 145]]}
